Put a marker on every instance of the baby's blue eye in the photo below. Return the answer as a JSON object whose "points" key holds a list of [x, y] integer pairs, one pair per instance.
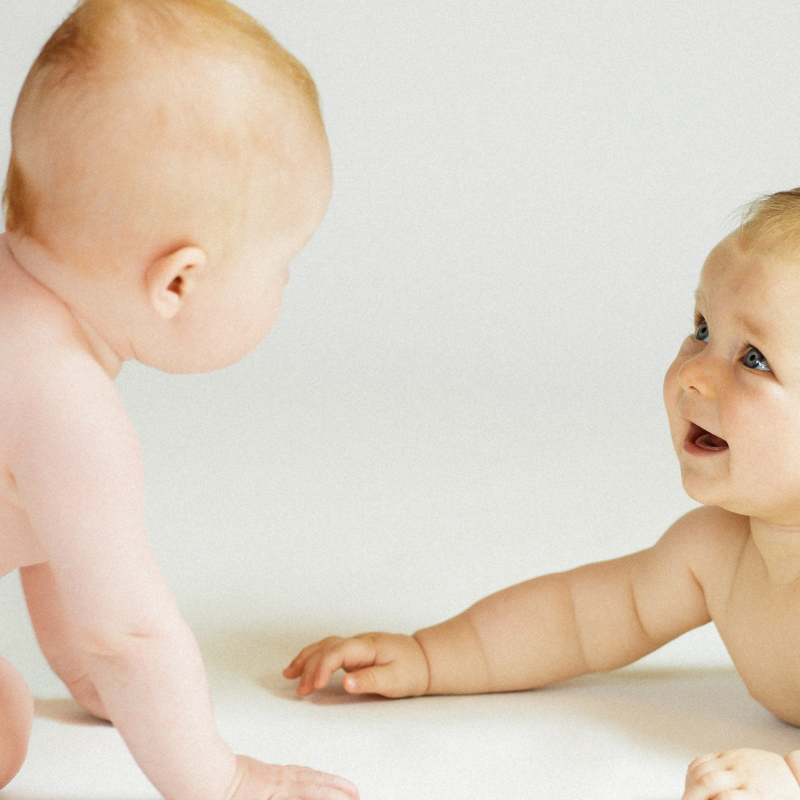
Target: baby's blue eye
{"points": [[701, 334], [754, 360]]}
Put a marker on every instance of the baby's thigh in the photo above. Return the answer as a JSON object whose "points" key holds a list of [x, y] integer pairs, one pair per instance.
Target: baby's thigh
{"points": [[16, 719]]}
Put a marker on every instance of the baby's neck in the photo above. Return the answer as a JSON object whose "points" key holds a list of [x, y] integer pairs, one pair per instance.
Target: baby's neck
{"points": [[85, 299], [779, 547]]}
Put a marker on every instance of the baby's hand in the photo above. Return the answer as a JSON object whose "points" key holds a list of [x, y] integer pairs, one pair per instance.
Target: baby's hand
{"points": [[258, 781], [379, 663], [741, 774]]}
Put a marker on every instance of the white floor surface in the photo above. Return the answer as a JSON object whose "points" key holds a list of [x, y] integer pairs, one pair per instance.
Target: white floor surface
{"points": [[625, 736]]}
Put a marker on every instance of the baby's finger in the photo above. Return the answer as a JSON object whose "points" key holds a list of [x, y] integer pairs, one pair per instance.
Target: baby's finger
{"points": [[707, 779], [698, 763], [368, 681], [313, 785], [258, 780], [382, 680], [318, 669], [312, 676], [298, 663], [347, 654]]}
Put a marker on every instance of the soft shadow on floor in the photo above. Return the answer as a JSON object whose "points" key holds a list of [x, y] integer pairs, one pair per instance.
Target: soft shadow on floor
{"points": [[259, 657], [685, 710], [693, 710], [67, 711]]}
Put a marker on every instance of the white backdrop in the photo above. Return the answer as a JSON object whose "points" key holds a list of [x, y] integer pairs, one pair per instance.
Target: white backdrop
{"points": [[463, 389]]}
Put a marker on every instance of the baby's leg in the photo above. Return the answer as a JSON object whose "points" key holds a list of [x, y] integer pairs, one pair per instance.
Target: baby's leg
{"points": [[16, 719]]}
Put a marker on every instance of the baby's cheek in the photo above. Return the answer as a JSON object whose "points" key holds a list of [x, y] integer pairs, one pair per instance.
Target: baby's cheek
{"points": [[671, 390]]}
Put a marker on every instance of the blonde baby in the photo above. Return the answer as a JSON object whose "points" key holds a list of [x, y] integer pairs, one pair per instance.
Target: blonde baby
{"points": [[733, 400]]}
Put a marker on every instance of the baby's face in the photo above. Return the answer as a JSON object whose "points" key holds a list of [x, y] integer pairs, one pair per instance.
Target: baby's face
{"points": [[733, 392]]}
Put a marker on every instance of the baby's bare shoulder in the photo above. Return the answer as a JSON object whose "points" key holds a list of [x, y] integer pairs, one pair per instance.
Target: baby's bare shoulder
{"points": [[712, 524], [711, 541], [44, 359], [36, 327], [34, 323]]}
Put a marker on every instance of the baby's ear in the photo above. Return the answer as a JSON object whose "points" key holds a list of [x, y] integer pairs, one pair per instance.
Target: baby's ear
{"points": [[172, 278]]}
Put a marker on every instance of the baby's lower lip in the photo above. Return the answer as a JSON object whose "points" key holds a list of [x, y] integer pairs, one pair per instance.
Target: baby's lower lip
{"points": [[700, 441]]}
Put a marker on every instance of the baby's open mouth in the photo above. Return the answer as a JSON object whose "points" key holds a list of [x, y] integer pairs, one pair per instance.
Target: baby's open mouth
{"points": [[704, 440]]}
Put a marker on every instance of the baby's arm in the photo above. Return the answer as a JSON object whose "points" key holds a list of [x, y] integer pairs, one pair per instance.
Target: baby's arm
{"points": [[78, 471], [594, 618], [58, 641]]}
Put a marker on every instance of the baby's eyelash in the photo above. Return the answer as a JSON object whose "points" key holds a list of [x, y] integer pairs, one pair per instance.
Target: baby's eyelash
{"points": [[699, 319], [746, 348]]}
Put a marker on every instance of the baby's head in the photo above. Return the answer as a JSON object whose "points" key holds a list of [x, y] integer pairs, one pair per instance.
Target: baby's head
{"points": [[177, 144], [733, 392]]}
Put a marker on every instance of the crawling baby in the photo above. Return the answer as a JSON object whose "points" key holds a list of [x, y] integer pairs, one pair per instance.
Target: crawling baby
{"points": [[733, 400], [168, 162]]}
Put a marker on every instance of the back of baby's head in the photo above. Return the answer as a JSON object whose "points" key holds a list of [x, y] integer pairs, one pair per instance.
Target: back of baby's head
{"points": [[772, 223], [145, 119]]}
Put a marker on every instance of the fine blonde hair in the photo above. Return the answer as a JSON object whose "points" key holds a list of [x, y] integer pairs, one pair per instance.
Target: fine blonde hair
{"points": [[772, 222], [93, 47]]}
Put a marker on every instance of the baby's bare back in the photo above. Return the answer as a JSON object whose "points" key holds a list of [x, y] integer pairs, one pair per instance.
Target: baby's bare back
{"points": [[33, 328]]}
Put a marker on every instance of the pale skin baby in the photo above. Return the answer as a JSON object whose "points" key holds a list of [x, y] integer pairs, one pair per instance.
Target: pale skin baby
{"points": [[733, 401], [185, 297]]}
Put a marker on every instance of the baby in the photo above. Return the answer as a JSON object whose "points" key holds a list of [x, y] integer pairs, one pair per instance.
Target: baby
{"points": [[733, 401], [168, 162]]}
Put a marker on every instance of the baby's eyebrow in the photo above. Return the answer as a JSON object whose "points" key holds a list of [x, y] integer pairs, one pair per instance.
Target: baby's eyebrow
{"points": [[753, 326], [699, 301]]}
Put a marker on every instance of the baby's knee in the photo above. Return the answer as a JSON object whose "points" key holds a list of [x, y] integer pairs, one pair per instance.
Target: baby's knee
{"points": [[16, 719]]}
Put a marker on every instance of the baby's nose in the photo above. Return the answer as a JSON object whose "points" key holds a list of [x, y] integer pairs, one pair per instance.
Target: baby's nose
{"points": [[697, 374]]}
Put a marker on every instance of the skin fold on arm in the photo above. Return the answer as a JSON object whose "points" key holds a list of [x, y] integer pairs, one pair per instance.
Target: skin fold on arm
{"points": [[594, 618]]}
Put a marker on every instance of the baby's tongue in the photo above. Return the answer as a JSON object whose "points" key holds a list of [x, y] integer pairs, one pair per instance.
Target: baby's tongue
{"points": [[708, 441]]}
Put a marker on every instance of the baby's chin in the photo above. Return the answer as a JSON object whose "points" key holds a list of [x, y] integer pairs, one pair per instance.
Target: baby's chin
{"points": [[773, 513], [192, 363], [704, 491], [201, 345]]}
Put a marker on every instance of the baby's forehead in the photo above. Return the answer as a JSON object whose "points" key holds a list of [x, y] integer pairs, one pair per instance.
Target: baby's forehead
{"points": [[766, 254], [757, 284]]}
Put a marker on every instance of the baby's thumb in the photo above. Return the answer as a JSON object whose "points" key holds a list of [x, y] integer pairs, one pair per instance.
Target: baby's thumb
{"points": [[381, 680]]}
